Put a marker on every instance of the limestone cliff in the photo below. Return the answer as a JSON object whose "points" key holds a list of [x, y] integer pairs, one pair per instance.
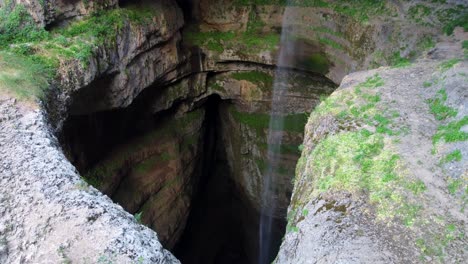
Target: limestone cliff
{"points": [[382, 177]]}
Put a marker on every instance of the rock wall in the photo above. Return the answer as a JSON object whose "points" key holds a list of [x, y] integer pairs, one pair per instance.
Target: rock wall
{"points": [[49, 214]]}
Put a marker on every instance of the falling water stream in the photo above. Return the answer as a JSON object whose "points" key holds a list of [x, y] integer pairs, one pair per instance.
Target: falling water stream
{"points": [[275, 138]]}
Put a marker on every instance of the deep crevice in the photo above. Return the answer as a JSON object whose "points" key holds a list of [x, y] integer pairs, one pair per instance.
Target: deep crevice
{"points": [[214, 231]]}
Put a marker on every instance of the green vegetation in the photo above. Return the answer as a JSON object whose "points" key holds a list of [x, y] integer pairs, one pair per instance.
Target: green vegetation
{"points": [[39, 52], [451, 132], [454, 186], [371, 83], [455, 155], [417, 187], [438, 108], [327, 31], [358, 162], [253, 39], [138, 216], [331, 43], [419, 12], [264, 79], [426, 42], [291, 123], [447, 65], [427, 84], [397, 61], [316, 62], [361, 161], [436, 243], [22, 76], [460, 21]]}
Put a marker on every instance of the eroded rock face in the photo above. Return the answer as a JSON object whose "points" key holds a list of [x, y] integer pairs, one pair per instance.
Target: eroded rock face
{"points": [[48, 214]]}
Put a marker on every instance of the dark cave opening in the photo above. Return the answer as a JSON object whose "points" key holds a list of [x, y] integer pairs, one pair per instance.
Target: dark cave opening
{"points": [[221, 225], [214, 231]]}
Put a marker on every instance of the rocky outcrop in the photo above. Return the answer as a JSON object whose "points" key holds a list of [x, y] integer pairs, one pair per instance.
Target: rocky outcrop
{"points": [[48, 214], [140, 55], [375, 182], [54, 12]]}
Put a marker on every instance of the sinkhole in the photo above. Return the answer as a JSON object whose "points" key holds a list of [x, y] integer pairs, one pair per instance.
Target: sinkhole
{"points": [[174, 179]]}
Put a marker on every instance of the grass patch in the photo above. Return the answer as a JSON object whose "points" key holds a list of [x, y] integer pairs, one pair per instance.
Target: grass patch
{"points": [[425, 43], [454, 186], [438, 108], [419, 12], [39, 53], [358, 162], [447, 65], [371, 83], [264, 79], [460, 21], [397, 61], [451, 132], [455, 155], [23, 76], [427, 84], [331, 43], [417, 187]]}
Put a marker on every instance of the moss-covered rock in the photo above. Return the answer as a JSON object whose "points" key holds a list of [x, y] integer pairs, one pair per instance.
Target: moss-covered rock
{"points": [[370, 177]]}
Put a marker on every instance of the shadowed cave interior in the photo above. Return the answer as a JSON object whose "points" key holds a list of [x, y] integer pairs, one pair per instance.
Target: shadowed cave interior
{"points": [[222, 227]]}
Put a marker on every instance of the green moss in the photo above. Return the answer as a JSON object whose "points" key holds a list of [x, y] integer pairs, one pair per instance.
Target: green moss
{"points": [[264, 80], [438, 108], [454, 186], [397, 61], [331, 43], [37, 48], [358, 162], [451, 132], [371, 83], [426, 42], [419, 12], [427, 84], [455, 155], [417, 187], [316, 62], [456, 21]]}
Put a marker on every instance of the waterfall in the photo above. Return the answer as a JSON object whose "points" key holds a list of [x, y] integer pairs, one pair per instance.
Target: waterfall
{"points": [[274, 140]]}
